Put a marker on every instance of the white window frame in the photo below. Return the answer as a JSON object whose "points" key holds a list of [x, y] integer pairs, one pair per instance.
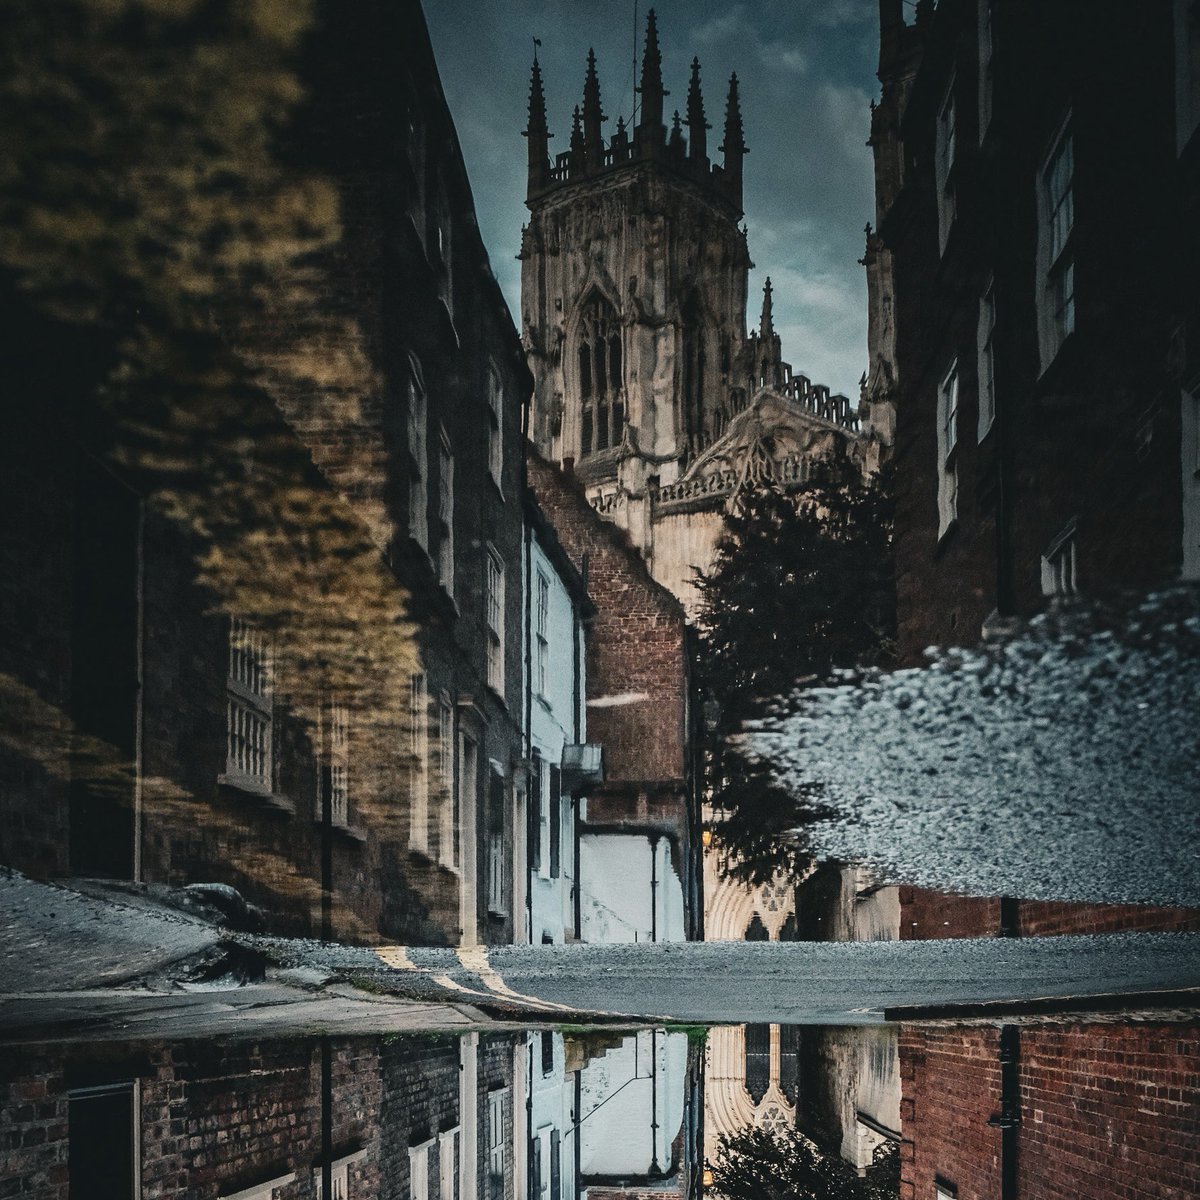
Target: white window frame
{"points": [[448, 1163], [542, 634], [1190, 465], [496, 875], [418, 716], [987, 359], [1187, 73], [1059, 565], [449, 822], [945, 157], [261, 1191], [947, 444], [1055, 255], [339, 1172], [542, 1150], [249, 710], [445, 513], [494, 601], [418, 455], [495, 428], [496, 1141], [418, 1170], [339, 764], [444, 244], [986, 38]]}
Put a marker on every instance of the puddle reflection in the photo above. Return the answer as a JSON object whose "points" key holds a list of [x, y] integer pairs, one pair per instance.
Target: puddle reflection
{"points": [[923, 1110]]}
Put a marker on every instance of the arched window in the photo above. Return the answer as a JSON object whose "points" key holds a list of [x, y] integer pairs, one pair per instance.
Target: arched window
{"points": [[601, 381], [694, 351], [758, 1061]]}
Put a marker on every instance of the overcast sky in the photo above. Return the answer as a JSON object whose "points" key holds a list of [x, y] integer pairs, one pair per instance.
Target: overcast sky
{"points": [[806, 73]]}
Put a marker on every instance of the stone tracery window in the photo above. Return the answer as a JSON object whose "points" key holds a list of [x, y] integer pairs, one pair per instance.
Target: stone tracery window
{"points": [[601, 389]]}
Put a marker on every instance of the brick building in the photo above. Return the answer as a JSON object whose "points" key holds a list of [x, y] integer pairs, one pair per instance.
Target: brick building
{"points": [[266, 1120], [640, 845], [1027, 322], [1046, 1111], [261, 613], [1023, 299]]}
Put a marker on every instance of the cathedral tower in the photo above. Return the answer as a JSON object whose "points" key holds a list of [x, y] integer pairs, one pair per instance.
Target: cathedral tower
{"points": [[633, 283], [633, 306]]}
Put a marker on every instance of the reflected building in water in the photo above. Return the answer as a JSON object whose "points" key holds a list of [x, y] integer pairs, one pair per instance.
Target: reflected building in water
{"points": [[978, 1112]]}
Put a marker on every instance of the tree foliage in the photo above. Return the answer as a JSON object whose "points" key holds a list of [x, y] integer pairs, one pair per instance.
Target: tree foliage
{"points": [[782, 1164], [801, 587]]}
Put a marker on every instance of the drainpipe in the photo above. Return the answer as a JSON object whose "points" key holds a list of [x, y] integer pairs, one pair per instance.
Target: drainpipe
{"points": [[654, 888], [577, 1121], [528, 738], [326, 1117], [654, 1163], [577, 694], [1008, 1121], [326, 777]]}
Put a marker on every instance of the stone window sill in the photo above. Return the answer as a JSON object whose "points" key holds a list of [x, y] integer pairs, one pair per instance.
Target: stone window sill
{"points": [[351, 833], [274, 801]]}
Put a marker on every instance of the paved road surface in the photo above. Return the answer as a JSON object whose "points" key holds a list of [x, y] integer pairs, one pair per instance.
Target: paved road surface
{"points": [[802, 982]]}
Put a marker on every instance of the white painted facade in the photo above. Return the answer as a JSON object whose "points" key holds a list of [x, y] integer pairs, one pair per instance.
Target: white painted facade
{"points": [[555, 687], [551, 1145], [630, 889], [632, 1106]]}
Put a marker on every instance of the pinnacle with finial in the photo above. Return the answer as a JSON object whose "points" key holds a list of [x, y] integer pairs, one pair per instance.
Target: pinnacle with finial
{"points": [[697, 125], [766, 326], [591, 91], [537, 100], [651, 89], [735, 139]]}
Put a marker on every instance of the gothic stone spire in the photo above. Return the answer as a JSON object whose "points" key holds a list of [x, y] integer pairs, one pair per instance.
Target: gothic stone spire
{"points": [[652, 86], [537, 132], [734, 147], [593, 114], [697, 126], [766, 324]]}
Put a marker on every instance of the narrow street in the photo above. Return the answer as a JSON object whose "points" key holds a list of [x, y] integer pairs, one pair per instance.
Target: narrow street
{"points": [[796, 983]]}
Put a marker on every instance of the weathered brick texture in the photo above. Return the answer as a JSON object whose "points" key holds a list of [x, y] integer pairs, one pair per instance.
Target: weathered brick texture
{"points": [[926, 914], [216, 1117], [1106, 1111], [636, 643]]}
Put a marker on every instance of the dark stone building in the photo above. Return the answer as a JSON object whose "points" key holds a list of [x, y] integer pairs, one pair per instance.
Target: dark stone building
{"points": [[634, 305], [1028, 333], [260, 611], [1026, 274]]}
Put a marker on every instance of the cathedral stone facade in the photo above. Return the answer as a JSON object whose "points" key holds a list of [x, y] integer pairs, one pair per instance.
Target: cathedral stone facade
{"points": [[634, 285]]}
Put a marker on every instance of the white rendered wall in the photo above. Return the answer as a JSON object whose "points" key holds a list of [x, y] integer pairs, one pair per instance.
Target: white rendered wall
{"points": [[632, 1100], [552, 725], [618, 899]]}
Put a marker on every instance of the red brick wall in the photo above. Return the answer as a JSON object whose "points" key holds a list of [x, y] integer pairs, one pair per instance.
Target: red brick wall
{"points": [[1038, 918], [950, 1086], [1110, 1110], [1106, 1111], [636, 642], [926, 914]]}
